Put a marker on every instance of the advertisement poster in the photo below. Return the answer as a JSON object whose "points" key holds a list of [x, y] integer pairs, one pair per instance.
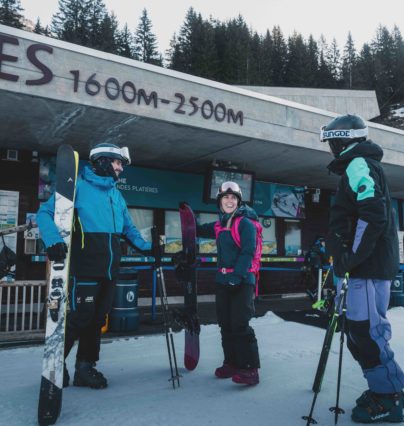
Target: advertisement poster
{"points": [[8, 218]]}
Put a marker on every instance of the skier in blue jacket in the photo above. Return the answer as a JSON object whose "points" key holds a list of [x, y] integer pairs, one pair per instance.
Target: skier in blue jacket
{"points": [[101, 218], [235, 285]]}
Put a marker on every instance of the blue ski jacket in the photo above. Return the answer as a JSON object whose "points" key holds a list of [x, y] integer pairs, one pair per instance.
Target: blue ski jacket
{"points": [[101, 218], [229, 254]]}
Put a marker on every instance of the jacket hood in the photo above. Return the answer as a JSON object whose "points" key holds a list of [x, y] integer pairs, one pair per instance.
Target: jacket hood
{"points": [[102, 181], [243, 210], [367, 149]]}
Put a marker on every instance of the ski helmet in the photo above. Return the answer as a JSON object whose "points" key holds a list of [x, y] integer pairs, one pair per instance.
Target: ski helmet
{"points": [[229, 188], [102, 156], [344, 131], [109, 150]]}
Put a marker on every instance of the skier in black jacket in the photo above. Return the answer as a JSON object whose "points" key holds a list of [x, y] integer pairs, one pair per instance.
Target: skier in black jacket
{"points": [[363, 241], [235, 285]]}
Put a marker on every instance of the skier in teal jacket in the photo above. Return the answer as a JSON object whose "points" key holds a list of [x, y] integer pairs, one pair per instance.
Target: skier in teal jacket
{"points": [[101, 218]]}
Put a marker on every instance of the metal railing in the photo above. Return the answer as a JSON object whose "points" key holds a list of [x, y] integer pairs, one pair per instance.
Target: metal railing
{"points": [[21, 306]]}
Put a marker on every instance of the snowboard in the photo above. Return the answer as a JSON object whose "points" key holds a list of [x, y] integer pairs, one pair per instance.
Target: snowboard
{"points": [[50, 395], [187, 275]]}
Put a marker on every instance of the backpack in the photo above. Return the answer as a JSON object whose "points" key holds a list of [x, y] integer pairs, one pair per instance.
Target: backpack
{"points": [[256, 262]]}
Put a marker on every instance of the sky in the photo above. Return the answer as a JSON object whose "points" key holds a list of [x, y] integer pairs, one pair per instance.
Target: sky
{"points": [[317, 17], [140, 394]]}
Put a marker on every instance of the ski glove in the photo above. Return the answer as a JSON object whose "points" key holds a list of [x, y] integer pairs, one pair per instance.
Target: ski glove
{"points": [[57, 252]]}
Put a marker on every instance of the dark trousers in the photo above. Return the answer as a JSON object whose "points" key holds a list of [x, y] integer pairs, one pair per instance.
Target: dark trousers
{"points": [[90, 301], [234, 309]]}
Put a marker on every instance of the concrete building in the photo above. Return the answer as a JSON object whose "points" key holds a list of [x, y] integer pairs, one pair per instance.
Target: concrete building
{"points": [[176, 126]]}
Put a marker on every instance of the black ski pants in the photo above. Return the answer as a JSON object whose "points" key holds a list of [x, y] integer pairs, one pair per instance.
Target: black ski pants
{"points": [[90, 301], [234, 310]]}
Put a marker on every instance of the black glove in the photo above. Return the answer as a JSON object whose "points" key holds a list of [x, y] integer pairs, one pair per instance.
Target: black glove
{"points": [[57, 252]]}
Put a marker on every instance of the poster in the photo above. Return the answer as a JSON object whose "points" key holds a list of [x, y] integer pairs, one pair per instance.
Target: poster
{"points": [[8, 218]]}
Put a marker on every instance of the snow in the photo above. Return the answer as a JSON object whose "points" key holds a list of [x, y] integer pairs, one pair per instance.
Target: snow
{"points": [[398, 112], [139, 392]]}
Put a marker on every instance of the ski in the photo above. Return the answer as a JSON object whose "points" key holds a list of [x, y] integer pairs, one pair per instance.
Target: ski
{"points": [[325, 351], [50, 395], [186, 275], [156, 247]]}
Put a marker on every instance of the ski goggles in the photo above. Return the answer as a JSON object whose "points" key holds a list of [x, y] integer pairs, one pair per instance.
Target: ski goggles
{"points": [[229, 187], [342, 134], [114, 152]]}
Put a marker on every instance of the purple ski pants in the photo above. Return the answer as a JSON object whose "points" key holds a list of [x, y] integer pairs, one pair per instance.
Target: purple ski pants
{"points": [[369, 332]]}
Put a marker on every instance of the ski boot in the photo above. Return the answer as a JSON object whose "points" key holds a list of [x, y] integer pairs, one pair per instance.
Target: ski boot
{"points": [[377, 407], [66, 377], [87, 375], [248, 376], [225, 371]]}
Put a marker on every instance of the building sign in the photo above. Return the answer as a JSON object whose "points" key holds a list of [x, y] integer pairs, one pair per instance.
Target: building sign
{"points": [[87, 83]]}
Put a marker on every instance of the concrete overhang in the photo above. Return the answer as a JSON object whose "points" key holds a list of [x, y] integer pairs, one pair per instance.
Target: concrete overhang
{"points": [[168, 119]]}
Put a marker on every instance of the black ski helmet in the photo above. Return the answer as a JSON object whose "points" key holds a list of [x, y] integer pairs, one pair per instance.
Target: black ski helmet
{"points": [[102, 156], [229, 188], [343, 131]]}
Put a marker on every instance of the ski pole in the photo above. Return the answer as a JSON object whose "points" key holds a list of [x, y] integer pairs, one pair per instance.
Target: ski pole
{"points": [[337, 409], [325, 351], [175, 376]]}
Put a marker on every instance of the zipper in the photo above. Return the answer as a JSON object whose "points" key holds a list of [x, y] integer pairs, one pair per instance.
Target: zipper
{"points": [[113, 213]]}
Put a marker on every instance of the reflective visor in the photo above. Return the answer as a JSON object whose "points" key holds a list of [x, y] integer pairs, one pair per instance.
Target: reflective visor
{"points": [[229, 186]]}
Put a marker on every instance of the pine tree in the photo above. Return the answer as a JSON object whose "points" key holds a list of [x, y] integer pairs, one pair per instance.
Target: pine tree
{"points": [[125, 43], [366, 69], [333, 59], [96, 12], [398, 64], [311, 63], [146, 41], [71, 21], [38, 29], [236, 55], [348, 63], [10, 13], [109, 34], [296, 58], [266, 50], [279, 57]]}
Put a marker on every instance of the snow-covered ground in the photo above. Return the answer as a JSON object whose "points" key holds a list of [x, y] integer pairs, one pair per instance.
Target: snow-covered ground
{"points": [[139, 393]]}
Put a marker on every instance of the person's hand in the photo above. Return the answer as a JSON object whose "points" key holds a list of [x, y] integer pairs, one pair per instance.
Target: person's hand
{"points": [[57, 252]]}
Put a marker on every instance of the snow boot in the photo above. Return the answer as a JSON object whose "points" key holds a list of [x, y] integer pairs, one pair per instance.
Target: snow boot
{"points": [[225, 371], [66, 377], [87, 375], [248, 376], [361, 401], [377, 407]]}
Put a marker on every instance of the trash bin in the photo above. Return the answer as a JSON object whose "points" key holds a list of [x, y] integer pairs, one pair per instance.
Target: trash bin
{"points": [[124, 315], [397, 291]]}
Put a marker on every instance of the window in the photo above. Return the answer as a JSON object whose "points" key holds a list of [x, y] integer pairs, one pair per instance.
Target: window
{"points": [[143, 220], [207, 245], [172, 232], [269, 245], [293, 238]]}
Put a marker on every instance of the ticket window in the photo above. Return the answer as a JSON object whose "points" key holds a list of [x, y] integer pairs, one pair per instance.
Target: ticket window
{"points": [[293, 238]]}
